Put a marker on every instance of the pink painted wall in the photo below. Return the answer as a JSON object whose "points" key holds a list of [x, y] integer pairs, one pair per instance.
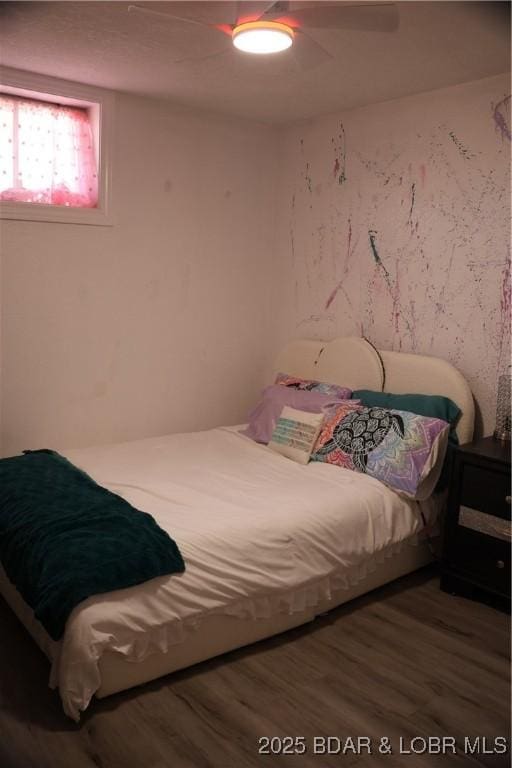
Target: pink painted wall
{"points": [[159, 323], [393, 222]]}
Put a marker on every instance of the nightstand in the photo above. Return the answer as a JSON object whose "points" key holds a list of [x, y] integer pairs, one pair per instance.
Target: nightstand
{"points": [[477, 530]]}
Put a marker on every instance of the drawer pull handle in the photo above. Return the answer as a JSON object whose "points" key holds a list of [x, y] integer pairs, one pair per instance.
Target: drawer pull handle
{"points": [[500, 564], [508, 499]]}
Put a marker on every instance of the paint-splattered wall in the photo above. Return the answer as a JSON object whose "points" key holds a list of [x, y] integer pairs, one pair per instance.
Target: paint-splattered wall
{"points": [[394, 223]]}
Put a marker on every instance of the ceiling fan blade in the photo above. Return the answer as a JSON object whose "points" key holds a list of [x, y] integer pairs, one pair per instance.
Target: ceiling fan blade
{"points": [[252, 10], [378, 17], [307, 53], [248, 10], [172, 17], [208, 57]]}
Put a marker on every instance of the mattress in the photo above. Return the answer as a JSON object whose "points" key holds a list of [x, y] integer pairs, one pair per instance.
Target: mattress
{"points": [[262, 538]]}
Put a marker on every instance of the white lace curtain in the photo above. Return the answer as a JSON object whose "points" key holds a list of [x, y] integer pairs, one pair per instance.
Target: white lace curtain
{"points": [[46, 153]]}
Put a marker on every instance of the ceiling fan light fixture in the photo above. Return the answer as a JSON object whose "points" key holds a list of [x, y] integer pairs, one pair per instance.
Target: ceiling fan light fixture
{"points": [[262, 37]]}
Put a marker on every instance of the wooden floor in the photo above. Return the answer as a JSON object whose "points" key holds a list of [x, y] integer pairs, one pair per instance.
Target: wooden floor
{"points": [[406, 661]]}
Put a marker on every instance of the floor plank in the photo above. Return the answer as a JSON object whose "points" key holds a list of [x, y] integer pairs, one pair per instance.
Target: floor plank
{"points": [[407, 661]]}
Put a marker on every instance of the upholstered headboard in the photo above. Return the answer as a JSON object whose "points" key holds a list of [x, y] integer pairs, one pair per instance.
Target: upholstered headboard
{"points": [[355, 363]]}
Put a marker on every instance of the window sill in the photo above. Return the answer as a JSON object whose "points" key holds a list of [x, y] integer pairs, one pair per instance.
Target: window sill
{"points": [[55, 213]]}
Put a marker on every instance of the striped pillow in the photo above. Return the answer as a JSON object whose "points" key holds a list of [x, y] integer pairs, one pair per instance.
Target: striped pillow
{"points": [[295, 434]]}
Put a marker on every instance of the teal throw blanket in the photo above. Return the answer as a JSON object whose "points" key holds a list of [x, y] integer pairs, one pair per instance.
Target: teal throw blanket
{"points": [[64, 538]]}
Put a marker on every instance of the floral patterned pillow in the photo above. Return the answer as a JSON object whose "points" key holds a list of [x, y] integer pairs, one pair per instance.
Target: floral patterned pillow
{"points": [[310, 385], [403, 450]]}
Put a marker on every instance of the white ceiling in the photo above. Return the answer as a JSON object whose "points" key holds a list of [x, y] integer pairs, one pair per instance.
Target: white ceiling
{"points": [[101, 43]]}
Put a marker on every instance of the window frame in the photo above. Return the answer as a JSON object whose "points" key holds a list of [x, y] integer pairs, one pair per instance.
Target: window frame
{"points": [[100, 104]]}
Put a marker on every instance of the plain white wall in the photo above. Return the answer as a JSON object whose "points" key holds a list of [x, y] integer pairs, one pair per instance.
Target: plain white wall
{"points": [[427, 179], [159, 323]]}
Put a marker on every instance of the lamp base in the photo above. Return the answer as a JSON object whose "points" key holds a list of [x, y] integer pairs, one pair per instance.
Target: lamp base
{"points": [[502, 435]]}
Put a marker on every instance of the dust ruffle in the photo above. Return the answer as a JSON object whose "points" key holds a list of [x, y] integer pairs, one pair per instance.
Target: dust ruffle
{"points": [[79, 680]]}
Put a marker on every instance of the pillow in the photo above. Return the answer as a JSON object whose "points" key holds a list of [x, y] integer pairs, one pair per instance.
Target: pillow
{"points": [[310, 385], [425, 405], [263, 418], [296, 433], [403, 450]]}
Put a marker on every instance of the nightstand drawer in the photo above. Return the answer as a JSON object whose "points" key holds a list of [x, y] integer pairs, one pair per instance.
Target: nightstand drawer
{"points": [[483, 558], [498, 527], [477, 533], [486, 490]]}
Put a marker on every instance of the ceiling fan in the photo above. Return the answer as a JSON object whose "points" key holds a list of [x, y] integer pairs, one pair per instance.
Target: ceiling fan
{"points": [[266, 26]]}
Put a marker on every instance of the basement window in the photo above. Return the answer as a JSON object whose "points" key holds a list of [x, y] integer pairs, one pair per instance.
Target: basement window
{"points": [[53, 151]]}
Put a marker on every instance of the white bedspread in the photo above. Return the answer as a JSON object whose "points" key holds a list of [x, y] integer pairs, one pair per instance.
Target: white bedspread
{"points": [[259, 534]]}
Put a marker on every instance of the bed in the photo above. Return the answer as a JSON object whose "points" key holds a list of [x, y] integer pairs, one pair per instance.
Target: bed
{"points": [[269, 544]]}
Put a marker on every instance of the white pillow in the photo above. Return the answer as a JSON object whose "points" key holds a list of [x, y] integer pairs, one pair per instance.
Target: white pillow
{"points": [[295, 434]]}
